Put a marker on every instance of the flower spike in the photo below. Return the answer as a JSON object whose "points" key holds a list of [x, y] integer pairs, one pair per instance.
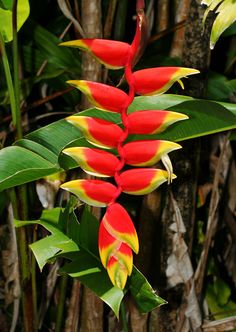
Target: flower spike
{"points": [[94, 161], [152, 122], [93, 192], [99, 132], [102, 96], [117, 237], [112, 54], [155, 81]]}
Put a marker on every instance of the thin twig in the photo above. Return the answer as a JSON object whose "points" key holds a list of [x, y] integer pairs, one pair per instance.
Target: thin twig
{"points": [[211, 222]]}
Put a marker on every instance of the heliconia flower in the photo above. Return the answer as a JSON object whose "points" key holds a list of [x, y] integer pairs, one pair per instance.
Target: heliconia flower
{"points": [[99, 132], [152, 122], [94, 161], [112, 54], [102, 96], [155, 81], [142, 181], [119, 224], [115, 256], [93, 192], [107, 244], [117, 272], [147, 153]]}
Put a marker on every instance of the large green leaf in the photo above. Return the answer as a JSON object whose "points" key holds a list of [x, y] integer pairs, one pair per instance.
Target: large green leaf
{"points": [[226, 10], [19, 165], [39, 154], [47, 43], [77, 242], [23, 10], [145, 298]]}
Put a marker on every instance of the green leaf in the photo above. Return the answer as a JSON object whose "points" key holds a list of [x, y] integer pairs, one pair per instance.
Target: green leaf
{"points": [[144, 295], [47, 43], [83, 256], [37, 154], [219, 87], [48, 247], [84, 265], [91, 273], [218, 298], [23, 10], [226, 10], [19, 165]]}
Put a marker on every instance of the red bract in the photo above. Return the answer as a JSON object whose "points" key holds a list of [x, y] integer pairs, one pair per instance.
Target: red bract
{"points": [[142, 181], [92, 192], [152, 122], [94, 161], [113, 54], [117, 236], [155, 81], [102, 96], [147, 153], [99, 132]]}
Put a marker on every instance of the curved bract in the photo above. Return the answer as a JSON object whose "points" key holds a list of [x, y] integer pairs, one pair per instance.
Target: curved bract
{"points": [[94, 161], [155, 81], [112, 54], [117, 235], [99, 132]]}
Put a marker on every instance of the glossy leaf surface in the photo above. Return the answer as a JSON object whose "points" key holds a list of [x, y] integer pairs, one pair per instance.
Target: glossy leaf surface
{"points": [[23, 10], [78, 244]]}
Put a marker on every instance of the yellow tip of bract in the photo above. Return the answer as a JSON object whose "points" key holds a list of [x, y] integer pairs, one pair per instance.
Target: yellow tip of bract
{"points": [[75, 43], [79, 84]]}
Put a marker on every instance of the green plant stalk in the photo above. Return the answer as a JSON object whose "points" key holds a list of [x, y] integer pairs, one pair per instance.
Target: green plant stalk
{"points": [[7, 71], [123, 317], [60, 312], [29, 297], [34, 283], [17, 114]]}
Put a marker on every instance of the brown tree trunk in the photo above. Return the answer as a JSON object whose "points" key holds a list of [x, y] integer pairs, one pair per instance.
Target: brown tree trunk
{"points": [[92, 307], [182, 312], [92, 26]]}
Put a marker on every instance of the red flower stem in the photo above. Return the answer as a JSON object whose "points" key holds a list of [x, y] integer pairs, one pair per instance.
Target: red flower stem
{"points": [[124, 117]]}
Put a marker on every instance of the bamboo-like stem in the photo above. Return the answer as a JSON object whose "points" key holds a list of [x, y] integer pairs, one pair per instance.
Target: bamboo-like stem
{"points": [[16, 110], [20, 203], [123, 317], [61, 304], [7, 71]]}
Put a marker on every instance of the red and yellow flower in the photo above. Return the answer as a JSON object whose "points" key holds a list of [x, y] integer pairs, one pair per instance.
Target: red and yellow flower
{"points": [[117, 237]]}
